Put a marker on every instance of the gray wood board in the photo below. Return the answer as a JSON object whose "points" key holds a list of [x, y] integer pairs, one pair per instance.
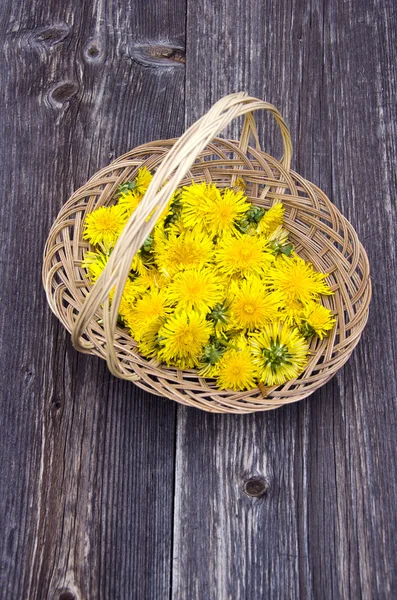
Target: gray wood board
{"points": [[326, 528], [87, 474], [108, 492]]}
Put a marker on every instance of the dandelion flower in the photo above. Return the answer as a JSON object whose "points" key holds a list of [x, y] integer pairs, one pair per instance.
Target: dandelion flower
{"points": [[271, 219], [297, 280], [239, 185], [224, 210], [195, 289], [317, 320], [104, 225], [237, 370], [182, 338], [142, 180], [208, 370], [152, 278], [138, 265], [148, 344], [209, 363], [279, 353], [196, 199], [132, 291], [279, 236], [252, 305], [176, 253], [292, 312], [220, 316], [245, 256], [94, 263], [152, 306], [131, 192], [129, 200], [177, 228], [278, 241]]}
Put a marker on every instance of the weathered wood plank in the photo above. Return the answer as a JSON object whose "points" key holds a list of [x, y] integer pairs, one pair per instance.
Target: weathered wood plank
{"points": [[87, 461], [326, 528], [87, 471]]}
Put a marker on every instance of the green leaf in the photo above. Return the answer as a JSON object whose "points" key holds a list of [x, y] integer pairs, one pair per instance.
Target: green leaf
{"points": [[287, 249], [126, 187], [148, 243]]}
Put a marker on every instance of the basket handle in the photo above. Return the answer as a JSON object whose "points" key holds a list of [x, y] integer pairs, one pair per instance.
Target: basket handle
{"points": [[170, 173]]}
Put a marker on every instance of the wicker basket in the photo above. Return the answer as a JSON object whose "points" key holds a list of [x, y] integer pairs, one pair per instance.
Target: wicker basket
{"points": [[319, 232]]}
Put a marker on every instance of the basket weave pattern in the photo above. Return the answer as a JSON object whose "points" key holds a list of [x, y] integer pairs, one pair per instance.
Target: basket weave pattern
{"points": [[320, 234]]}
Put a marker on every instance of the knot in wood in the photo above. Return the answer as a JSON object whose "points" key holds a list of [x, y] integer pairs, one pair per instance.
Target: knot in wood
{"points": [[67, 595], [256, 486]]}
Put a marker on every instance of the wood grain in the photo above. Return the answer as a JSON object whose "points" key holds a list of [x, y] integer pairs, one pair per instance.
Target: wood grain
{"points": [[86, 500], [89, 463], [326, 528]]}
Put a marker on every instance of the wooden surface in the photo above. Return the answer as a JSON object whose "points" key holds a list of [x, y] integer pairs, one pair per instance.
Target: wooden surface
{"points": [[108, 492]]}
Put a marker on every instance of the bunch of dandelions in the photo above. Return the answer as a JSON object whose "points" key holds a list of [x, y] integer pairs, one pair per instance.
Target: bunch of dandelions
{"points": [[216, 287]]}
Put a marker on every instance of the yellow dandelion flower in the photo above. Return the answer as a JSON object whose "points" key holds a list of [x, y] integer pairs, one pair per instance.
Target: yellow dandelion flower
{"points": [[151, 307], [279, 353], [162, 217], [152, 278], [131, 192], [138, 265], [210, 359], [104, 225], [176, 253], [292, 312], [207, 370], [271, 219], [94, 263], [240, 185], [297, 280], [237, 370], [220, 315], [239, 341], [224, 210], [124, 307], [142, 180], [245, 256], [317, 320], [167, 211], [177, 228], [132, 291], [182, 339], [194, 289], [279, 242], [252, 305], [195, 200], [148, 344], [129, 200], [279, 236]]}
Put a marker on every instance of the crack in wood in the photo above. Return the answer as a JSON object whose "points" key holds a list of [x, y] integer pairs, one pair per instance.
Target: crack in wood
{"points": [[158, 55]]}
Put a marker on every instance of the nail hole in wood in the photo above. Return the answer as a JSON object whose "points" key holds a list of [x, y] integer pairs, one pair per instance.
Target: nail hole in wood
{"points": [[256, 487], [56, 404]]}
